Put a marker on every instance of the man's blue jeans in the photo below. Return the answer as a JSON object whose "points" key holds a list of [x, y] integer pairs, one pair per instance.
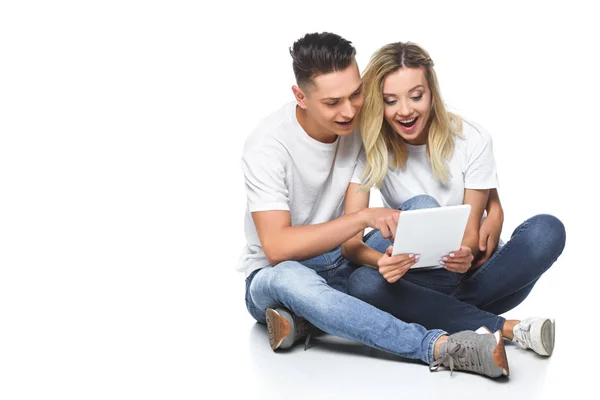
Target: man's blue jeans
{"points": [[452, 301], [316, 290]]}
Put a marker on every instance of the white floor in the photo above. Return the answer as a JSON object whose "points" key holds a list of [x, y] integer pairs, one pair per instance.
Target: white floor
{"points": [[333, 368], [122, 197], [184, 333]]}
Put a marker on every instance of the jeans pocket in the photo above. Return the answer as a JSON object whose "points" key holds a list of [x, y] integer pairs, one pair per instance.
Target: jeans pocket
{"points": [[317, 264], [339, 275]]}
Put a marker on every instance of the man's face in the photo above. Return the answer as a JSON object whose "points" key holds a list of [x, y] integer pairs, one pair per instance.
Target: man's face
{"points": [[334, 100]]}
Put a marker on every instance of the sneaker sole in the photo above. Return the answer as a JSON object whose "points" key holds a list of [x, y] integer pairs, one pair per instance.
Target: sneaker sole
{"points": [[500, 354], [500, 358], [548, 331], [278, 328]]}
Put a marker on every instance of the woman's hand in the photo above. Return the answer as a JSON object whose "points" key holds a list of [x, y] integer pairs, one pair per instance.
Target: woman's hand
{"points": [[489, 236], [393, 268], [458, 261]]}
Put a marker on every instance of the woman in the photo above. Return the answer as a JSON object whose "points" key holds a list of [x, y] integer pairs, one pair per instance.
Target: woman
{"points": [[420, 155]]}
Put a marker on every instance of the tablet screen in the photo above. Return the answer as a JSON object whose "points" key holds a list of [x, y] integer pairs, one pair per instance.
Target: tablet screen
{"points": [[431, 232]]}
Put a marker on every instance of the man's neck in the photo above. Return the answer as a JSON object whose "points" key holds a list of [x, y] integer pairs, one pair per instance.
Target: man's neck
{"points": [[312, 129]]}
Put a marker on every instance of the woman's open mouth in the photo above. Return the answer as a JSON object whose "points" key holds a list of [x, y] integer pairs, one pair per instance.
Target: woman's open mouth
{"points": [[409, 123]]}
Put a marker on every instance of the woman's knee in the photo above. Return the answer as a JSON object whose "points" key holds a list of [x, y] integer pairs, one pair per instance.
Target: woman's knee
{"points": [[547, 235], [365, 283], [419, 202]]}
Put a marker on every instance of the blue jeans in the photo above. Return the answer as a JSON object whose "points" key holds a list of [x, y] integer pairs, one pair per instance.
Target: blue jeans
{"points": [[316, 290], [453, 301]]}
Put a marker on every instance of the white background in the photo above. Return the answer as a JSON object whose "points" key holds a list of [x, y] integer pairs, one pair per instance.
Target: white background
{"points": [[122, 199]]}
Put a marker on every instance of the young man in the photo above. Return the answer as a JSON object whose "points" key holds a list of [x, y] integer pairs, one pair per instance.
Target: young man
{"points": [[297, 166]]}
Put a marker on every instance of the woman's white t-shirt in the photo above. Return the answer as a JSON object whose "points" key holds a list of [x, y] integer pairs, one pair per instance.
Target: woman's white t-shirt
{"points": [[471, 166]]}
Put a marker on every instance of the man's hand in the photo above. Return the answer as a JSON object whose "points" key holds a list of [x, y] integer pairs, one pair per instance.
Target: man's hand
{"points": [[382, 219], [393, 268], [458, 261], [489, 236]]}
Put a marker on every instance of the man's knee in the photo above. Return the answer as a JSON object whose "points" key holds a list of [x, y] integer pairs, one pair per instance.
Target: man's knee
{"points": [[288, 276]]}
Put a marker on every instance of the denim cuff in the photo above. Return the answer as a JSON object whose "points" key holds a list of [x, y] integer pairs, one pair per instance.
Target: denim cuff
{"points": [[499, 324], [435, 335]]}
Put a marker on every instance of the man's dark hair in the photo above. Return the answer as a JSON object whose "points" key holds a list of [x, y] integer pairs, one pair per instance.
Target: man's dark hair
{"points": [[320, 53]]}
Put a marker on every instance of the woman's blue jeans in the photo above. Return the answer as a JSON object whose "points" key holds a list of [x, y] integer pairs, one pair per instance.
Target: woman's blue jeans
{"points": [[452, 301], [316, 290]]}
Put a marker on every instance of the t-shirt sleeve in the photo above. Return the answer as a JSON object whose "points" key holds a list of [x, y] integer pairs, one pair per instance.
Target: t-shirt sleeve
{"points": [[480, 172], [360, 167], [264, 177]]}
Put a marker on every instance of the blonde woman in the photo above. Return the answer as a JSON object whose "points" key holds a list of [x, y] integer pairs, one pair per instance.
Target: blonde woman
{"points": [[420, 155]]}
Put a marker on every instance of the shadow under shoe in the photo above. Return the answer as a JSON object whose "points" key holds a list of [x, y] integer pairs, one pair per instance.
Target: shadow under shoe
{"points": [[285, 328], [482, 353]]}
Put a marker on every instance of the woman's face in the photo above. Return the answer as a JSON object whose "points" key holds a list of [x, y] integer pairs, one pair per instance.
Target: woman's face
{"points": [[407, 104]]}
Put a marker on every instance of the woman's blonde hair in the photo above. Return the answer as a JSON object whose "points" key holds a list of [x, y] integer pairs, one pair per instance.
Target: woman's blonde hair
{"points": [[379, 139]]}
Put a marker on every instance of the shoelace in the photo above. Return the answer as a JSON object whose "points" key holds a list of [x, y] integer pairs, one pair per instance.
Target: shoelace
{"points": [[522, 334], [464, 355], [303, 328], [307, 342]]}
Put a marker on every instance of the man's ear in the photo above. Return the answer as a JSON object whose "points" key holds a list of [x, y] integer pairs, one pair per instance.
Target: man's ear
{"points": [[300, 97]]}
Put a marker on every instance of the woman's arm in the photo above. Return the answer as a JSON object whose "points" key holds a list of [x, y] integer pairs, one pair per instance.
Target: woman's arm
{"points": [[489, 232], [461, 260], [478, 200], [354, 249], [494, 206]]}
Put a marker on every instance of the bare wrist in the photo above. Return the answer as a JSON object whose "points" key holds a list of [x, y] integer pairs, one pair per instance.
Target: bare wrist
{"points": [[496, 212], [363, 217]]}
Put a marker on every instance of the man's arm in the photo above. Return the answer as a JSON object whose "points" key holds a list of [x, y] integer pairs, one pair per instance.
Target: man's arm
{"points": [[354, 249], [281, 241]]}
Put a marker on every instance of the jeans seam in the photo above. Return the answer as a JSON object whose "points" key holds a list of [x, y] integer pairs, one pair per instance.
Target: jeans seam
{"points": [[332, 269], [248, 296], [499, 324]]}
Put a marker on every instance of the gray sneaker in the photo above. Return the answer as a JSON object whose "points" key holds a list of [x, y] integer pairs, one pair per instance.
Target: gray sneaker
{"points": [[285, 328], [482, 353]]}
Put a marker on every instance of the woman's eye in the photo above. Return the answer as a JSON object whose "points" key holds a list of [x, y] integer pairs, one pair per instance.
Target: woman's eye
{"points": [[389, 102], [417, 98]]}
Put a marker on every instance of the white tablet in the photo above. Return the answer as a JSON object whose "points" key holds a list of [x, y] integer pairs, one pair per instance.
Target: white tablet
{"points": [[431, 232]]}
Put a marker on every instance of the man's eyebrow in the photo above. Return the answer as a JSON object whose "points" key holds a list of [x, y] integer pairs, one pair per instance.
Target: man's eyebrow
{"points": [[338, 98], [415, 88], [358, 88]]}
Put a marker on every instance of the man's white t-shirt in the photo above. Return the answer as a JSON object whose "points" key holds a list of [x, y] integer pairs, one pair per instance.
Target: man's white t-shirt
{"points": [[471, 166], [286, 169]]}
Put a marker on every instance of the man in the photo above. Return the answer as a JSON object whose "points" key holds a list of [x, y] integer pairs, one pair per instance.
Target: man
{"points": [[297, 166]]}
